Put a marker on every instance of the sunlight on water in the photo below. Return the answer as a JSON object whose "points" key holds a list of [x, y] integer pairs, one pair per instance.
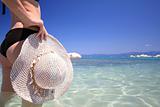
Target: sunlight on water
{"points": [[108, 83]]}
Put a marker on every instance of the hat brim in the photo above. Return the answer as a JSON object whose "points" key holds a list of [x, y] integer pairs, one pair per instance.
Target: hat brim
{"points": [[20, 70]]}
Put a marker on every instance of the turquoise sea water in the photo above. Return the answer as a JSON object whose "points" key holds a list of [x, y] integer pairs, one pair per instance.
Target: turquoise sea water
{"points": [[110, 82]]}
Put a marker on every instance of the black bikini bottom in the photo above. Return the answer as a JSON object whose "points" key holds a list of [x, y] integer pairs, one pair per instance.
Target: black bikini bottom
{"points": [[13, 36]]}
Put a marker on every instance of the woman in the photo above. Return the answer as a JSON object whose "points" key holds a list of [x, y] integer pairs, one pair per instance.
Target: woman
{"points": [[25, 20]]}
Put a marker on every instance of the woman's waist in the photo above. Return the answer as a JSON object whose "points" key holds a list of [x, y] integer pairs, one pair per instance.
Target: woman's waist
{"points": [[19, 24]]}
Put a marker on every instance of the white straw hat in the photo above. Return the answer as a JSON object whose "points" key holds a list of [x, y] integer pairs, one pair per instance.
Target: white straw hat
{"points": [[43, 70]]}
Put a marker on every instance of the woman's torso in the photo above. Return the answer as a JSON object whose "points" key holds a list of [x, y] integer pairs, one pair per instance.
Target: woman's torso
{"points": [[33, 9]]}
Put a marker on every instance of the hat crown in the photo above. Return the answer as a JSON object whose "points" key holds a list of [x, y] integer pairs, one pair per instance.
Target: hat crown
{"points": [[49, 71]]}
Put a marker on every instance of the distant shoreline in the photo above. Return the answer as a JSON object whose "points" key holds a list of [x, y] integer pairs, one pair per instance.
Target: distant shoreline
{"points": [[127, 53], [146, 55]]}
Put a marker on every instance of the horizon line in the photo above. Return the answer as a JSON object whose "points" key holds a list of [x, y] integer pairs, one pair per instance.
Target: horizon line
{"points": [[119, 53]]}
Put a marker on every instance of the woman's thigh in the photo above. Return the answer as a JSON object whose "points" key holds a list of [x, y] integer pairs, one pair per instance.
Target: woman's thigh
{"points": [[7, 62], [13, 51]]}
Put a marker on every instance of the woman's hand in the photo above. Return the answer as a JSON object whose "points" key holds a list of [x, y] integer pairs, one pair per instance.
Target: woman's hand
{"points": [[42, 34]]}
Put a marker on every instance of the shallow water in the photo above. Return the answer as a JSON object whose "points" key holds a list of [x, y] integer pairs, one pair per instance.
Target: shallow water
{"points": [[109, 82]]}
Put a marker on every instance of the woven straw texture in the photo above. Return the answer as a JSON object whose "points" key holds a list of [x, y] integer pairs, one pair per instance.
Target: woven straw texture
{"points": [[55, 83]]}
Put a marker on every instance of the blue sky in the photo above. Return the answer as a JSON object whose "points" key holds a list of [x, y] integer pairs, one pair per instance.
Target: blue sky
{"points": [[100, 26]]}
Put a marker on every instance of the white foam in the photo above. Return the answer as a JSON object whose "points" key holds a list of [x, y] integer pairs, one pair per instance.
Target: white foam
{"points": [[145, 56]]}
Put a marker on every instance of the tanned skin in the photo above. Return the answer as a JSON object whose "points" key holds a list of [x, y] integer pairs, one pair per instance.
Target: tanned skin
{"points": [[24, 14]]}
